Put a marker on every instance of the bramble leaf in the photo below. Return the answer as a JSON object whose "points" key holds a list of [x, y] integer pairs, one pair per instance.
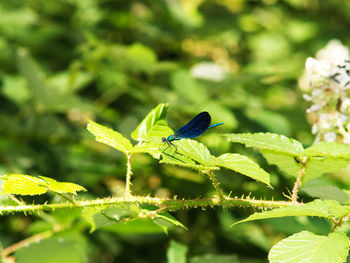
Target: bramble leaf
{"points": [[328, 149], [317, 166], [244, 165], [320, 208], [29, 185], [109, 137], [153, 126], [285, 162], [308, 247], [195, 150], [104, 216], [99, 217], [184, 161], [149, 147], [268, 141]]}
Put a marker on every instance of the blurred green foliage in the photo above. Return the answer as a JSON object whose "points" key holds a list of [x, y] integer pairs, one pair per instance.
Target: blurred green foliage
{"points": [[113, 61]]}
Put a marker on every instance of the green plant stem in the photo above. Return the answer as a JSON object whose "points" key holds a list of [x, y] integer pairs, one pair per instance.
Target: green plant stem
{"points": [[216, 185], [167, 204], [128, 175], [41, 214], [298, 183]]}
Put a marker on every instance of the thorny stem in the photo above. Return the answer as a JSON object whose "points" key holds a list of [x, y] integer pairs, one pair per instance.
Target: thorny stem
{"points": [[41, 214], [216, 185], [298, 182], [167, 204], [128, 175], [340, 222]]}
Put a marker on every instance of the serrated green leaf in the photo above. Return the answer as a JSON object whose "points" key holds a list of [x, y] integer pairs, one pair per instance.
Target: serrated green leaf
{"points": [[29, 185], [317, 166], [327, 192], [308, 247], [23, 185], [110, 137], [320, 208], [244, 165], [51, 250], [62, 187], [328, 149], [154, 126], [285, 162], [149, 147], [184, 161], [176, 253], [165, 220], [104, 216], [195, 150], [268, 141]]}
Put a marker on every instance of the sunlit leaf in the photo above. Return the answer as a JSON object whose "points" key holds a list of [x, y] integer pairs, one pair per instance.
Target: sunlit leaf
{"points": [[320, 208], [184, 161], [243, 165], [268, 141], [110, 137], [62, 187], [23, 185], [317, 166], [153, 148], [153, 126], [195, 150], [308, 247], [29, 185], [328, 149]]}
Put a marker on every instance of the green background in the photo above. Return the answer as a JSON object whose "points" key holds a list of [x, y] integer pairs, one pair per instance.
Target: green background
{"points": [[62, 62]]}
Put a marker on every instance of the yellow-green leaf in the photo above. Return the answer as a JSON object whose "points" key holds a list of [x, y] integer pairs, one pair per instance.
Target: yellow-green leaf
{"points": [[29, 185], [154, 126], [110, 137]]}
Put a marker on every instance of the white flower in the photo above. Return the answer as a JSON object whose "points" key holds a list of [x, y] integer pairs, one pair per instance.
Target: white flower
{"points": [[346, 138], [326, 80], [345, 106], [330, 136], [318, 68], [334, 53]]}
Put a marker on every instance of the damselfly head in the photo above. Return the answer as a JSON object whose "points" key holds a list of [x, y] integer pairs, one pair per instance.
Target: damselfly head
{"points": [[163, 139]]}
